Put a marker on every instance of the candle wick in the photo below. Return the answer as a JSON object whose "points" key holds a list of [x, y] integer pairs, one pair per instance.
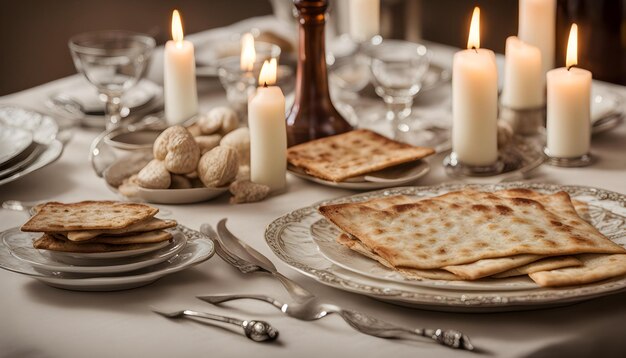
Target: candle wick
{"points": [[264, 84], [475, 49], [569, 67]]}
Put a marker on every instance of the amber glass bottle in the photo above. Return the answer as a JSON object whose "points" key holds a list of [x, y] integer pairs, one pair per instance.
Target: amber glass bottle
{"points": [[313, 114]]}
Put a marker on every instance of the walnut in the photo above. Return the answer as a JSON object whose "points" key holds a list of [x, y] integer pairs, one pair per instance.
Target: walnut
{"points": [[180, 182], [177, 147], [209, 124], [154, 176], [218, 166], [208, 142], [240, 140], [245, 191], [220, 119]]}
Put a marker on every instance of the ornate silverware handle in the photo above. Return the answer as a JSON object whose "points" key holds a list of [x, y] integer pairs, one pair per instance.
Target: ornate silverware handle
{"points": [[230, 320], [375, 327]]}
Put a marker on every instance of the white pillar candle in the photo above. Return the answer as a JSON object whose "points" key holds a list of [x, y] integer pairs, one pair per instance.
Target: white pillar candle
{"points": [[268, 131], [537, 27], [523, 76], [364, 19], [179, 79], [475, 102], [569, 92]]}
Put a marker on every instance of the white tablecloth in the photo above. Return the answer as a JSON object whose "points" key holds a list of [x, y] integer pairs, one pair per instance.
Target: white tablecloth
{"points": [[40, 321]]}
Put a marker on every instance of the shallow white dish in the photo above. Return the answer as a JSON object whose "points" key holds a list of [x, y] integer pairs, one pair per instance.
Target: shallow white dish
{"points": [[20, 245], [52, 152], [394, 176], [85, 258], [607, 112], [199, 248], [290, 239], [13, 141]]}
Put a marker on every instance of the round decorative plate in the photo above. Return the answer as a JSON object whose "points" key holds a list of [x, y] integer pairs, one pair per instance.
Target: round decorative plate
{"points": [[49, 154], [20, 245], [394, 176], [290, 239], [199, 248]]}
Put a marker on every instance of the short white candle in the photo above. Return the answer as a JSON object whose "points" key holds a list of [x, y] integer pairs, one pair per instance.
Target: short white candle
{"points": [[537, 27], [569, 92], [364, 19], [475, 102], [179, 80], [523, 76], [268, 131]]}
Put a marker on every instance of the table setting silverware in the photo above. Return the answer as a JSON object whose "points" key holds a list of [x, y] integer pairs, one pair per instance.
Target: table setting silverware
{"points": [[258, 331], [307, 306]]}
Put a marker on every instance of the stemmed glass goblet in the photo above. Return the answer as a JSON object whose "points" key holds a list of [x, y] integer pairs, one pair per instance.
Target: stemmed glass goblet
{"points": [[398, 69], [113, 61]]}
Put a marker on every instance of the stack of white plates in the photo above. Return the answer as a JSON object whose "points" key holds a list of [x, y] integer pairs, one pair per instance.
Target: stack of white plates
{"points": [[108, 271], [27, 142]]}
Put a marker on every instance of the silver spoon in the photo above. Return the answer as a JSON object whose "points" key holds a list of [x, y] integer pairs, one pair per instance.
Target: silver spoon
{"points": [[258, 331]]}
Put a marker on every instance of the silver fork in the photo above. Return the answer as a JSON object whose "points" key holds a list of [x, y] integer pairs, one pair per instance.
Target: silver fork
{"points": [[296, 291], [258, 331], [314, 309]]}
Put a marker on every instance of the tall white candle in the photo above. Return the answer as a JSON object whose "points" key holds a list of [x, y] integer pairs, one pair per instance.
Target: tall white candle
{"points": [[248, 52], [569, 92], [537, 27], [268, 131], [364, 19], [475, 102], [523, 76], [179, 80]]}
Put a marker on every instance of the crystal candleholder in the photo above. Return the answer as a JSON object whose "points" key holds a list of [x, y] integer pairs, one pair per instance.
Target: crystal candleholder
{"points": [[582, 161], [456, 168]]}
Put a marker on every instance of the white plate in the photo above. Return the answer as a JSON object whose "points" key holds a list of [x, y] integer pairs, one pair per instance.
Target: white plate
{"points": [[198, 249], [606, 110], [13, 141], [394, 176], [85, 258], [290, 239], [20, 245], [50, 154], [43, 127], [324, 234]]}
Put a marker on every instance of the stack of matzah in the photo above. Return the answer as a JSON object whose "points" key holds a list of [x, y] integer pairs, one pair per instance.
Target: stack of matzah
{"points": [[343, 156], [97, 226], [468, 234]]}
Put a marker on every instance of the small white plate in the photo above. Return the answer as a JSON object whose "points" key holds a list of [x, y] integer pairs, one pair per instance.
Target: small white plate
{"points": [[52, 152], [606, 110], [84, 258], [199, 248], [19, 244], [179, 196], [13, 141], [390, 177]]}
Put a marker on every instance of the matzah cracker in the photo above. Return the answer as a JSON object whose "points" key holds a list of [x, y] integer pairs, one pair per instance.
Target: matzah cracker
{"points": [[594, 268], [411, 274], [48, 242], [149, 237], [466, 226], [350, 154], [142, 226], [550, 263], [87, 215]]}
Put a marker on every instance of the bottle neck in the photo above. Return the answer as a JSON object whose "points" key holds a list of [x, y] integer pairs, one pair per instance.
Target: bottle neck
{"points": [[312, 80]]}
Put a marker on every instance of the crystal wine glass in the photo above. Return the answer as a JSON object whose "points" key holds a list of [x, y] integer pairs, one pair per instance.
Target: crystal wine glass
{"points": [[113, 61]]}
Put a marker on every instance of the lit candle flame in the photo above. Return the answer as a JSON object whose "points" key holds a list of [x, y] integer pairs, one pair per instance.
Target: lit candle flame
{"points": [[248, 54], [473, 40], [267, 77], [572, 47], [177, 28]]}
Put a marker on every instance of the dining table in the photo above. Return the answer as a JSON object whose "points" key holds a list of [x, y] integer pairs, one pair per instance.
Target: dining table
{"points": [[42, 321]]}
